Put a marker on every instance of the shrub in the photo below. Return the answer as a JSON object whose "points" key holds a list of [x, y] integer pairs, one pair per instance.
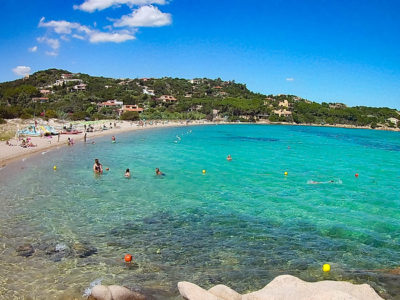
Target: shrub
{"points": [[130, 116], [26, 116], [51, 114]]}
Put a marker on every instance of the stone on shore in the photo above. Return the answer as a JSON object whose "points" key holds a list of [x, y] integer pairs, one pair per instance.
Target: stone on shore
{"points": [[114, 292], [224, 292], [285, 287], [193, 292]]}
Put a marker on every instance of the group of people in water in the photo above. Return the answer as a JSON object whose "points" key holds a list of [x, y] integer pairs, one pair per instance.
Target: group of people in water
{"points": [[98, 169]]}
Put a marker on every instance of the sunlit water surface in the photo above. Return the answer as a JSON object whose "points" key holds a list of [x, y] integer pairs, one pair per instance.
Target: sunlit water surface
{"points": [[241, 223]]}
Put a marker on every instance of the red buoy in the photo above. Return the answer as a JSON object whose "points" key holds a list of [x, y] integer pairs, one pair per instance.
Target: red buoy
{"points": [[128, 258], [356, 175]]}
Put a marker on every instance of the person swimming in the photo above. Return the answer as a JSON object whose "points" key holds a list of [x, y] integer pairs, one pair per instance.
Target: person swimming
{"points": [[158, 172], [97, 167], [320, 182], [229, 157], [113, 139], [127, 173]]}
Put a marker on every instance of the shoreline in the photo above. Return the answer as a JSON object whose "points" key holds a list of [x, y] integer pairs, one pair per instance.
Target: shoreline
{"points": [[9, 154]]}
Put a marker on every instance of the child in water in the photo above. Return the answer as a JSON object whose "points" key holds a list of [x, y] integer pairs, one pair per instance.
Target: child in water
{"points": [[127, 173]]}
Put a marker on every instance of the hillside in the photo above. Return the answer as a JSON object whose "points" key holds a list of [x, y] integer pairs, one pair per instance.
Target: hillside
{"points": [[61, 94]]}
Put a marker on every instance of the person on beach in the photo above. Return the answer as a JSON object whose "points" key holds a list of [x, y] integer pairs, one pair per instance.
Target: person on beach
{"points": [[229, 157], [158, 172], [127, 173], [97, 167]]}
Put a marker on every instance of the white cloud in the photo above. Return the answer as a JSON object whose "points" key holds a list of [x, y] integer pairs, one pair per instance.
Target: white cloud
{"points": [[115, 37], [81, 32], [289, 79], [145, 16], [63, 27], [92, 5], [33, 49], [22, 70], [53, 43], [77, 36]]}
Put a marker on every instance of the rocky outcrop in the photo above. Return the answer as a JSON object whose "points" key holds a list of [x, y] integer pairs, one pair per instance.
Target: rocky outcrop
{"points": [[285, 287], [114, 292]]}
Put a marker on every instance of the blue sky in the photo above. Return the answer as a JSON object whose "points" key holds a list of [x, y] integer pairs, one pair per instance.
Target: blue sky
{"points": [[322, 50]]}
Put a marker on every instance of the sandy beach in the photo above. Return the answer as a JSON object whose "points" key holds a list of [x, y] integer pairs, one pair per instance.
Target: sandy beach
{"points": [[13, 152]]}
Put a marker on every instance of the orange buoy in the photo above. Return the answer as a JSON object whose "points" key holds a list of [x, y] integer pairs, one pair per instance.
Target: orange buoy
{"points": [[128, 258], [356, 175]]}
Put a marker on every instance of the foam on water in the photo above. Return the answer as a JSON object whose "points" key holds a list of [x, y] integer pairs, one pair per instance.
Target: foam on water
{"points": [[241, 223]]}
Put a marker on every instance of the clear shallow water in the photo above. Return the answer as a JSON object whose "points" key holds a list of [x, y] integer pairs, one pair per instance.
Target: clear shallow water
{"points": [[240, 224]]}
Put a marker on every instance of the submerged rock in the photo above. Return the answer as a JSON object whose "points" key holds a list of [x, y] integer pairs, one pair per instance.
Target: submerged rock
{"points": [[25, 250], [114, 292], [285, 287], [83, 249]]}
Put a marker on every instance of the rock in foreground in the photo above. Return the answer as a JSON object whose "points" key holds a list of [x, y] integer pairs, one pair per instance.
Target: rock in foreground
{"points": [[285, 287], [114, 292]]}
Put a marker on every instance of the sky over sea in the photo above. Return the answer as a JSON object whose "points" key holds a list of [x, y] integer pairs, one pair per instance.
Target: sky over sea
{"points": [[322, 50]]}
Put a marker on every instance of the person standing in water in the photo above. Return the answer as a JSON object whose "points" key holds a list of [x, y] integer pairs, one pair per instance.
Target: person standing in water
{"points": [[97, 167], [127, 173], [113, 139]]}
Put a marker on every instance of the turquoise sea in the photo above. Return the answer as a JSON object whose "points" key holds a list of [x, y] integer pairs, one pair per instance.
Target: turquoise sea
{"points": [[241, 223]]}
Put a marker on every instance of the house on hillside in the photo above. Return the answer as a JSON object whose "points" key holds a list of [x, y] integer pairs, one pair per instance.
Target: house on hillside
{"points": [[196, 81], [283, 112], [284, 103], [67, 76], [126, 108], [45, 92], [393, 120], [80, 87], [147, 91], [221, 94], [111, 103], [167, 99], [337, 105]]}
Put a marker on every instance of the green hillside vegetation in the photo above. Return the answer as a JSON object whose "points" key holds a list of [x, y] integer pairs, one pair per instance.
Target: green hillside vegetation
{"points": [[60, 94]]}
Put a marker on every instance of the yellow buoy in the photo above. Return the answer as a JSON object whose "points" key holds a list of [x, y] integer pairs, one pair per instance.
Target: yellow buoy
{"points": [[204, 171], [55, 168], [285, 173], [326, 268]]}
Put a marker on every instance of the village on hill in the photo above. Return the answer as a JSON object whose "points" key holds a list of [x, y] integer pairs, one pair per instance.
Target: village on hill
{"points": [[61, 94]]}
